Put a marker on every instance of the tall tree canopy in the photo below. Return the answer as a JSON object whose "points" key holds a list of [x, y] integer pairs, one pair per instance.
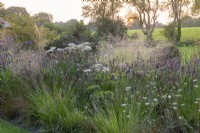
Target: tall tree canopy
{"points": [[23, 26], [196, 7], [177, 8], [41, 18], [147, 12], [17, 10], [104, 14], [100, 10]]}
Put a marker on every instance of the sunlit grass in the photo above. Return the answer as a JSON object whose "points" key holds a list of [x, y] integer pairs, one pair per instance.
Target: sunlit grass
{"points": [[187, 34], [188, 52]]}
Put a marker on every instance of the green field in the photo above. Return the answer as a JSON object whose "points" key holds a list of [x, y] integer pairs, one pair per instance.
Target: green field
{"points": [[187, 34], [188, 52], [8, 128]]}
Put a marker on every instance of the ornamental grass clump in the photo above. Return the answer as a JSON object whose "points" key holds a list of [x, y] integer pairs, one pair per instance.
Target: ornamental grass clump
{"points": [[57, 111]]}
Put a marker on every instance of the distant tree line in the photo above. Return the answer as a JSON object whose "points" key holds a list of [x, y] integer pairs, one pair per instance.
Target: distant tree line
{"points": [[188, 21], [104, 15]]}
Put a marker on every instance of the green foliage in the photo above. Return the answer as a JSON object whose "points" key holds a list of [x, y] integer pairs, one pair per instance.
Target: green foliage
{"points": [[168, 31], [188, 21], [23, 27], [196, 7], [19, 11], [12, 94], [57, 109], [73, 33], [41, 18], [113, 27], [2, 10]]}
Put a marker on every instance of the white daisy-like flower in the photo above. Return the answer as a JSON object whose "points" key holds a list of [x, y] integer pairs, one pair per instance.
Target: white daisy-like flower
{"points": [[196, 102], [182, 105], [175, 108], [195, 80], [97, 70], [128, 88], [97, 66], [169, 96], [145, 98], [179, 90], [178, 95], [155, 100], [196, 86], [87, 70], [123, 104], [106, 69], [147, 104]]}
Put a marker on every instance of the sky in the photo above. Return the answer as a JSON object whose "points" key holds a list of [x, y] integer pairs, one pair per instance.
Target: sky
{"points": [[62, 10]]}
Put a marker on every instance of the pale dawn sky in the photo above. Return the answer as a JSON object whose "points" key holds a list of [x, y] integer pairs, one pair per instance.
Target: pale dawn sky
{"points": [[62, 10]]}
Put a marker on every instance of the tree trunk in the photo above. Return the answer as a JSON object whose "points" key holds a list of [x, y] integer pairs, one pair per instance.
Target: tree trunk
{"points": [[178, 37], [174, 31], [149, 38]]}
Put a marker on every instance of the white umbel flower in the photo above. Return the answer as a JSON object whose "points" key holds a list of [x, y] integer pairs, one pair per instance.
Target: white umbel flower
{"points": [[87, 48], [51, 49], [97, 66], [106, 69], [71, 45], [60, 49]]}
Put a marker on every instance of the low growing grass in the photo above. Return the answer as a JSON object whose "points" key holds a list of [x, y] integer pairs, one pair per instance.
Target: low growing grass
{"points": [[188, 52], [57, 110], [191, 33], [8, 128]]}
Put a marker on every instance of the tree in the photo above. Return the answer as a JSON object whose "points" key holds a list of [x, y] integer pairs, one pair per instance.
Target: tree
{"points": [[147, 12], [20, 11], [23, 26], [101, 10], [105, 16], [132, 18], [177, 9], [41, 18], [2, 10], [196, 7]]}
